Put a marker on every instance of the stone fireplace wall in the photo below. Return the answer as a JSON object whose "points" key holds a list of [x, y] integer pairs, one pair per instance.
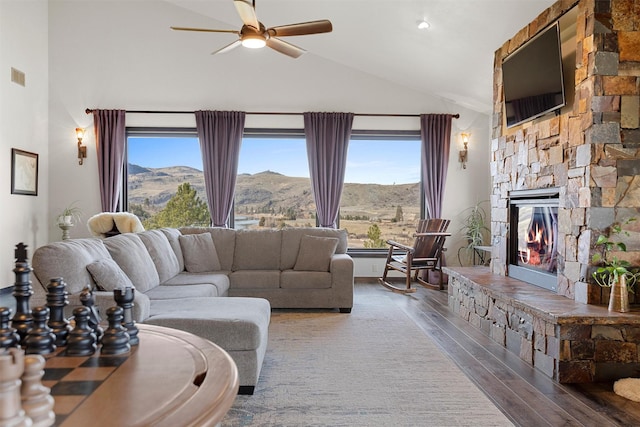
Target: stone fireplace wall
{"points": [[590, 152]]}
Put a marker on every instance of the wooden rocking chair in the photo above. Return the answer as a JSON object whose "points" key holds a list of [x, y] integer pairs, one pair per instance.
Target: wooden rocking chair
{"points": [[425, 254]]}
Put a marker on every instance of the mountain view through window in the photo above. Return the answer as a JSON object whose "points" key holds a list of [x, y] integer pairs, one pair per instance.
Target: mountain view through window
{"points": [[380, 200]]}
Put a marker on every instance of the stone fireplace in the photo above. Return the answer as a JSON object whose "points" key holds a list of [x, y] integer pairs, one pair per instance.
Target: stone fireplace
{"points": [[587, 158], [589, 153]]}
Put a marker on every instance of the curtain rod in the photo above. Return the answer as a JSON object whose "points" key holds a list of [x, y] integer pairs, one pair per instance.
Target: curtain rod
{"points": [[272, 113]]}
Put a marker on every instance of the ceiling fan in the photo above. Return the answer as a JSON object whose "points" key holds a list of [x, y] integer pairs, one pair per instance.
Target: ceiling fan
{"points": [[254, 34]]}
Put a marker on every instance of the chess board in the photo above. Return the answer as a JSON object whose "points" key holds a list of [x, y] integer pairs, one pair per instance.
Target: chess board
{"points": [[171, 378], [72, 379]]}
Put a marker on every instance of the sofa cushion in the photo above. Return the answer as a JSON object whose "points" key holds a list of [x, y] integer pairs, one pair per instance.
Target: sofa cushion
{"points": [[235, 324], [132, 257], [68, 259], [291, 238], [255, 279], [173, 235], [257, 250], [315, 253], [163, 256], [219, 280], [108, 275], [292, 279], [184, 291], [223, 238], [199, 253]]}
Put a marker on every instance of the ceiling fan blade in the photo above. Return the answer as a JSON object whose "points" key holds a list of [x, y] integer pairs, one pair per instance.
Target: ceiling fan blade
{"points": [[228, 47], [207, 30], [284, 47], [247, 13], [301, 29]]}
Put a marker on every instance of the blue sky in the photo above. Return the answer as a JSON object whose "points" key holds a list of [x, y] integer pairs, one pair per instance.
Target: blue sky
{"points": [[378, 162]]}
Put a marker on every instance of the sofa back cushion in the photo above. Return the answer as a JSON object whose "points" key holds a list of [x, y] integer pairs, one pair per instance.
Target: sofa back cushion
{"points": [[199, 252], [224, 240], [68, 259], [108, 275], [134, 259], [173, 235], [162, 254], [257, 250], [291, 238]]}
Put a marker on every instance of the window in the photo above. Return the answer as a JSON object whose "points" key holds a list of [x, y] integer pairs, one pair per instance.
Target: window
{"points": [[165, 183], [381, 197], [273, 188]]}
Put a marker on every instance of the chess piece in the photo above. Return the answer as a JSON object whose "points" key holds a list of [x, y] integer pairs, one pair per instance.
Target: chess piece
{"points": [[11, 369], [8, 336], [37, 401], [82, 340], [115, 339], [40, 339], [56, 301], [22, 291], [86, 298], [124, 298]]}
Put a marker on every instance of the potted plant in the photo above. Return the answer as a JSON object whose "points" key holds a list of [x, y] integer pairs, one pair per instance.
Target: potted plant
{"points": [[613, 272], [69, 215], [473, 229]]}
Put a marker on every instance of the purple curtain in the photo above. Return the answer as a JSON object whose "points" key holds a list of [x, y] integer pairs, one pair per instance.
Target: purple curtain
{"points": [[220, 135], [109, 127], [327, 136], [435, 131]]}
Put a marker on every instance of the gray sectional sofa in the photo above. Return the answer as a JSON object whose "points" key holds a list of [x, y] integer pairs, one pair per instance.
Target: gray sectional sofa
{"points": [[217, 283]]}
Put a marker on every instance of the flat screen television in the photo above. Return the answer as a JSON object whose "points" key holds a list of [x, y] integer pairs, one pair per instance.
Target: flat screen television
{"points": [[532, 78]]}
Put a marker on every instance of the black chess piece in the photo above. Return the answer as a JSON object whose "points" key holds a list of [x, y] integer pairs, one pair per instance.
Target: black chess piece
{"points": [[87, 299], [115, 339], [124, 298], [82, 340], [57, 299], [40, 339], [8, 336], [22, 320]]}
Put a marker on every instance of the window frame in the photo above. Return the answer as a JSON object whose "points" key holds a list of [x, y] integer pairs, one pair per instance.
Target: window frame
{"points": [[279, 133]]}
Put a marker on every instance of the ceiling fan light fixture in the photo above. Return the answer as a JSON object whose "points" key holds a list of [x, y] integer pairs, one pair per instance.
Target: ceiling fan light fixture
{"points": [[254, 41], [423, 24]]}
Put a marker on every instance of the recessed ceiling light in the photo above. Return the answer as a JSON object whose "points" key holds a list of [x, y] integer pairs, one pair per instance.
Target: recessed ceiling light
{"points": [[423, 25]]}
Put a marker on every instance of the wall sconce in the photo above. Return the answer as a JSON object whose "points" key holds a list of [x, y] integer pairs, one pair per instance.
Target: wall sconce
{"points": [[82, 149], [462, 155]]}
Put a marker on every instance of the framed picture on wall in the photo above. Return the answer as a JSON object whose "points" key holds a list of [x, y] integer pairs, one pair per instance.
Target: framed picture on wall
{"points": [[24, 172]]}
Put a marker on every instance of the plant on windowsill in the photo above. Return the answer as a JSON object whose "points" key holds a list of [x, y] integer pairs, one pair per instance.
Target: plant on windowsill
{"points": [[612, 272], [473, 229]]}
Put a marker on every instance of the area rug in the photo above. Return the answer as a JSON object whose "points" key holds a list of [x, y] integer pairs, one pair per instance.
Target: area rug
{"points": [[373, 367]]}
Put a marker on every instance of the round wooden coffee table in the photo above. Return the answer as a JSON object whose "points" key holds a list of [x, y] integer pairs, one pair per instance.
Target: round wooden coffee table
{"points": [[171, 378]]}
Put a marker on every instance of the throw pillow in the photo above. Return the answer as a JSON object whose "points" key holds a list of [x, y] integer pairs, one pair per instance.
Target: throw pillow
{"points": [[315, 253], [199, 253], [108, 275]]}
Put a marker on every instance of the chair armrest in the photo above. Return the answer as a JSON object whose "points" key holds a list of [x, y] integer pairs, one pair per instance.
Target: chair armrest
{"points": [[433, 233], [400, 245]]}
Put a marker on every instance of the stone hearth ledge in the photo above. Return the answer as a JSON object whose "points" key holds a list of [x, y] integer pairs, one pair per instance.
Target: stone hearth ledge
{"points": [[567, 340]]}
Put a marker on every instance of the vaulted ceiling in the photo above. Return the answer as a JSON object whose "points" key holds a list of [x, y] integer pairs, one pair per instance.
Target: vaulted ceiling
{"points": [[452, 59]]}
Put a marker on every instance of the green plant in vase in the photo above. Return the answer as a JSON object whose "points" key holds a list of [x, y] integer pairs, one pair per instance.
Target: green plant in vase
{"points": [[69, 215], [474, 228], [613, 272]]}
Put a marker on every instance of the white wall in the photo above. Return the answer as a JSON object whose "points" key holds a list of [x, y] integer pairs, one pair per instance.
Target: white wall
{"points": [[117, 54], [23, 125]]}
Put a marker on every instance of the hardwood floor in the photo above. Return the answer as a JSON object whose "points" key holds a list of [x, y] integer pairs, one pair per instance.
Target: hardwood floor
{"points": [[526, 396]]}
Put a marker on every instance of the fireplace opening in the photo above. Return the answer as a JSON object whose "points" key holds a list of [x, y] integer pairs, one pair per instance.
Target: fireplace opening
{"points": [[533, 234]]}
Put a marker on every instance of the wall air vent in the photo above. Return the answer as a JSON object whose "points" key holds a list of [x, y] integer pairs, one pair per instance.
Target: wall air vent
{"points": [[18, 77]]}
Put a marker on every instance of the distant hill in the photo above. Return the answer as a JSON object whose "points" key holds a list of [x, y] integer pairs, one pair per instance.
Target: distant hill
{"points": [[153, 187]]}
